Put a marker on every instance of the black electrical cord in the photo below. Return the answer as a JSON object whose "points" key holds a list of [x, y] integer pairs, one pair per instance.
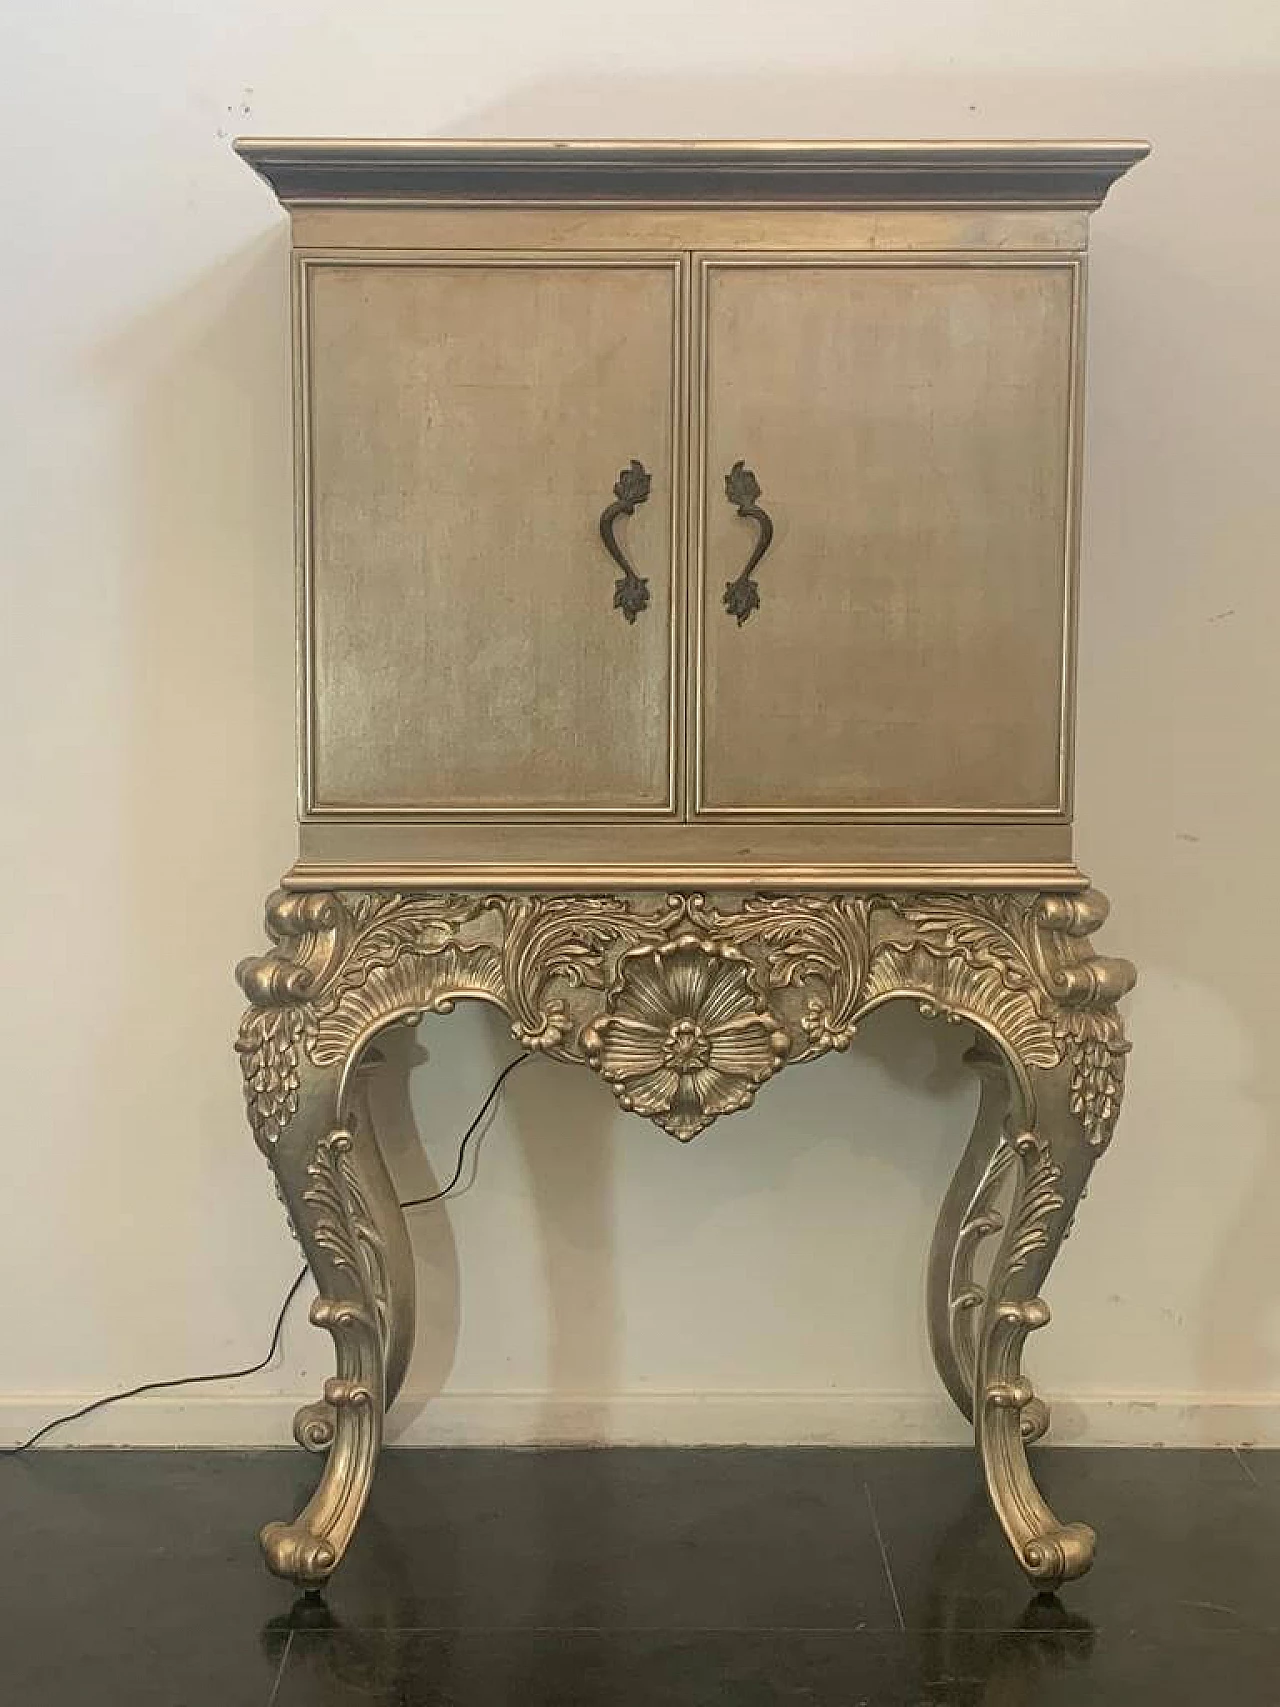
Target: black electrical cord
{"points": [[290, 1295], [155, 1386], [469, 1134]]}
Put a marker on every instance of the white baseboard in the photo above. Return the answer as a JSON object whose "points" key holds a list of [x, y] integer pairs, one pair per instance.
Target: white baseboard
{"points": [[653, 1419]]}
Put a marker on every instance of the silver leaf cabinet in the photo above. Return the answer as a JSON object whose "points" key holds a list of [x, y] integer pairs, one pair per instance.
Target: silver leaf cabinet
{"points": [[687, 544]]}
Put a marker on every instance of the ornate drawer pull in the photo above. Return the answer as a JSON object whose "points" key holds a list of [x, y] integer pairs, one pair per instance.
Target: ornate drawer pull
{"points": [[742, 596], [631, 591]]}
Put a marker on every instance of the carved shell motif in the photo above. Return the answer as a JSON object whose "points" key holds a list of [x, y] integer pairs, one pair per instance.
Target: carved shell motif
{"points": [[686, 1035]]}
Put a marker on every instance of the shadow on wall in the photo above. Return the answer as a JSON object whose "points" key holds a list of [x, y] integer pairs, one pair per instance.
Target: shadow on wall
{"points": [[596, 1220], [568, 1167], [435, 1250]]}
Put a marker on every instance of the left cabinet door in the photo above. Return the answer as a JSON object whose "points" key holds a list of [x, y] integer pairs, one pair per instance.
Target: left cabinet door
{"points": [[471, 646]]}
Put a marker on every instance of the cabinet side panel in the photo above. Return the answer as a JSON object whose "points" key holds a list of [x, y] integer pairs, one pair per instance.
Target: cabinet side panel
{"points": [[466, 423]]}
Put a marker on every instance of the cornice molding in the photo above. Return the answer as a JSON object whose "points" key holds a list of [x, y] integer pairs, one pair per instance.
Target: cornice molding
{"points": [[1072, 174]]}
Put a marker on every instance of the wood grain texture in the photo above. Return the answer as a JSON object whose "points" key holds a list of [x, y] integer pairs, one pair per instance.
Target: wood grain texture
{"points": [[909, 425]]}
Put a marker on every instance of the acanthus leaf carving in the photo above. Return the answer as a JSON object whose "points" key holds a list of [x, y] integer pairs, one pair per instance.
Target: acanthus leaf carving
{"points": [[1037, 1205], [811, 941], [1018, 964], [341, 1223], [417, 981], [564, 941]]}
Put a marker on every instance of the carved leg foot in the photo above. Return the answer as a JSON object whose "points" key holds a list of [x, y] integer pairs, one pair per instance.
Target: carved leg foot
{"points": [[311, 1118], [314, 1425], [1020, 968], [315, 1166], [1062, 1120], [1051, 1181]]}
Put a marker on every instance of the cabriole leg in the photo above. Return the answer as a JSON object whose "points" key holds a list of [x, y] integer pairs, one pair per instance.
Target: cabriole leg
{"points": [[1051, 1052], [1062, 1120], [309, 1108], [1053, 1160], [686, 1009], [970, 1217], [314, 1425], [316, 1163]]}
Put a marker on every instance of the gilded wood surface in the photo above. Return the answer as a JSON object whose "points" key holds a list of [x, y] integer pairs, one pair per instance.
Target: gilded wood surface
{"points": [[686, 1006], [771, 854], [565, 966], [914, 661], [910, 426], [466, 426], [907, 398], [880, 230]]}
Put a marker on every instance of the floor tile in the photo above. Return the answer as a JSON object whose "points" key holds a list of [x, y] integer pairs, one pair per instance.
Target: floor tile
{"points": [[640, 1538], [1262, 1466], [139, 1538], [135, 1578], [102, 1664], [583, 1669], [620, 1577], [1050, 1664], [1182, 1541]]}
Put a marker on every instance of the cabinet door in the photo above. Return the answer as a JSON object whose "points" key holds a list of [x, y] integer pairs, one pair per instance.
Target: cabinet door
{"points": [[909, 426], [465, 420]]}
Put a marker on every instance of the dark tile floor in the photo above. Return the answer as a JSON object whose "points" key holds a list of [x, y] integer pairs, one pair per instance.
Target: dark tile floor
{"points": [[641, 1579]]}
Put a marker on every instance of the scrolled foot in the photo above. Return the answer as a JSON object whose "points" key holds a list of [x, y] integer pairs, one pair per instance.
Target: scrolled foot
{"points": [[299, 1555], [1059, 1554], [344, 1211], [1034, 1421], [314, 1426], [1055, 1153]]}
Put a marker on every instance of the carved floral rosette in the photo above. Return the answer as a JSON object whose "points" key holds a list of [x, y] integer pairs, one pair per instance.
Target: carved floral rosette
{"points": [[684, 1005], [686, 1036]]}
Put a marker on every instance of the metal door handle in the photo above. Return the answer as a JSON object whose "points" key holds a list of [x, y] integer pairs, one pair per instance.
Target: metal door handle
{"points": [[742, 596], [630, 591]]}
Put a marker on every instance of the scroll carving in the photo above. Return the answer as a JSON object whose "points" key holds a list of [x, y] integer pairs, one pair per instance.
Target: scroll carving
{"points": [[686, 1005], [564, 968]]}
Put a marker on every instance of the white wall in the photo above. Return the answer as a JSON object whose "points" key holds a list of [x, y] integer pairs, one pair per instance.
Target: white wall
{"points": [[600, 1278]]}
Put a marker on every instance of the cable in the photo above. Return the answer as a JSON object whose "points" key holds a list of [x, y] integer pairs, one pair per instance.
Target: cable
{"points": [[155, 1386], [290, 1295], [469, 1134]]}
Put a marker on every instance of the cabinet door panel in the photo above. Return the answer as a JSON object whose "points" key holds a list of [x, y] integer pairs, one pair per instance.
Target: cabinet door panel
{"points": [[465, 423], [910, 428]]}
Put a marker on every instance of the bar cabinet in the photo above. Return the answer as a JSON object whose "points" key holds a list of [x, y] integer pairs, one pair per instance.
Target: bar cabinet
{"points": [[687, 542]]}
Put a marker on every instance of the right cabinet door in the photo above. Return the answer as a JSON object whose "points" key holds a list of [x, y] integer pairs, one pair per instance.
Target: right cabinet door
{"points": [[884, 535]]}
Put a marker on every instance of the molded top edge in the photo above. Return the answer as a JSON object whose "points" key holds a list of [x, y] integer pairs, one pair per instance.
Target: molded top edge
{"points": [[1075, 174]]}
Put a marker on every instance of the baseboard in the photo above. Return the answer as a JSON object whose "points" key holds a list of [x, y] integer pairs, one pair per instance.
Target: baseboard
{"points": [[653, 1419]]}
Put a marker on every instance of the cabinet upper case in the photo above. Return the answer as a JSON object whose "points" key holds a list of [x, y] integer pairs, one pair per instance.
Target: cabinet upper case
{"points": [[687, 513]]}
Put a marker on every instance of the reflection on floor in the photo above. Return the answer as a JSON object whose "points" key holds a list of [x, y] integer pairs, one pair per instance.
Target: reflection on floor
{"points": [[640, 1578]]}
